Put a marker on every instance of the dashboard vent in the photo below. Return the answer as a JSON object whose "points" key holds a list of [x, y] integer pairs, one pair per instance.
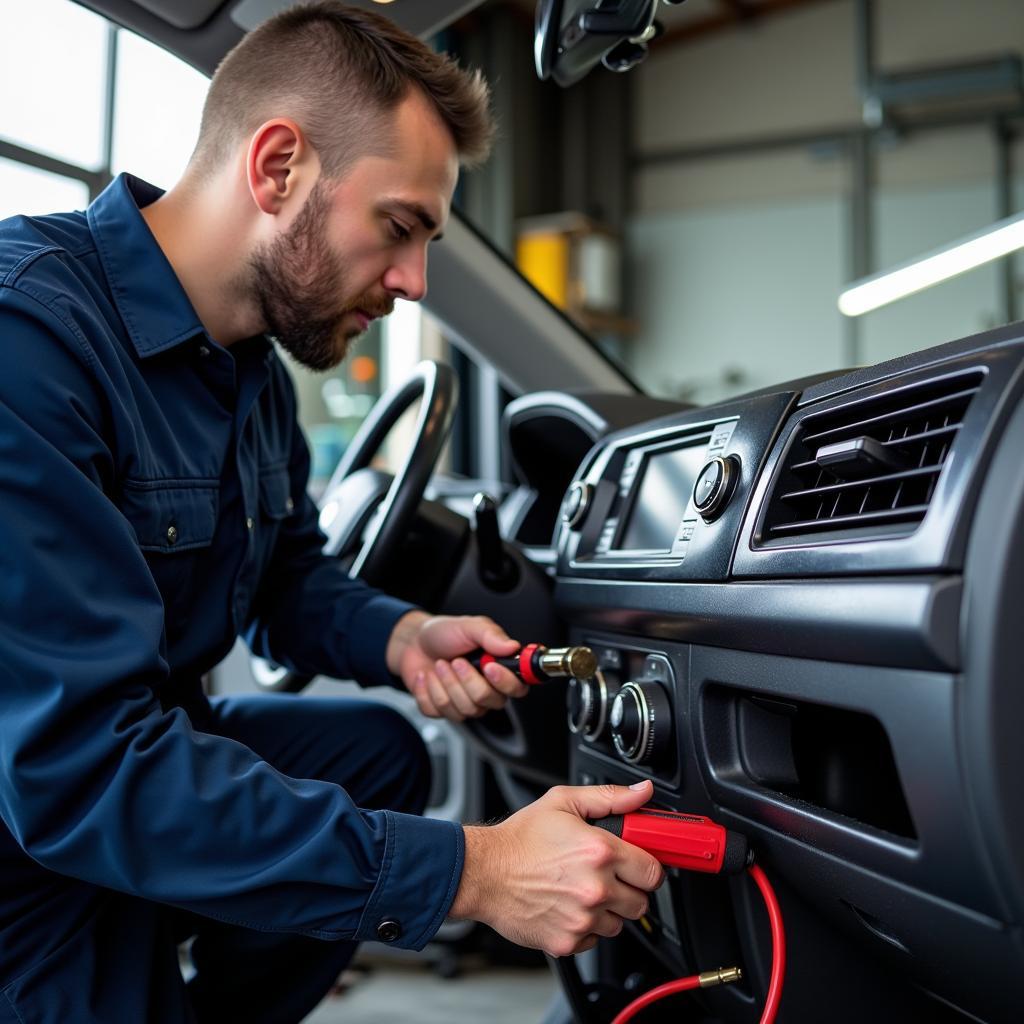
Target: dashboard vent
{"points": [[872, 463]]}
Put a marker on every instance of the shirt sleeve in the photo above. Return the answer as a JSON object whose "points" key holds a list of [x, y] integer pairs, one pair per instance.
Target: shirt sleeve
{"points": [[96, 781], [310, 615]]}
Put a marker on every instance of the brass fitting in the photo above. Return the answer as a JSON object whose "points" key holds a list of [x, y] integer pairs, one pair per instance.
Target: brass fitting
{"points": [[578, 662], [723, 976]]}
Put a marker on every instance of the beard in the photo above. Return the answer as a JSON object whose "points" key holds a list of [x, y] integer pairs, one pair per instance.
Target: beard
{"points": [[295, 281]]}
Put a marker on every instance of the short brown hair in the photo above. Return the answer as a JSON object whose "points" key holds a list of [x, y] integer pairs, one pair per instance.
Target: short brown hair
{"points": [[336, 69]]}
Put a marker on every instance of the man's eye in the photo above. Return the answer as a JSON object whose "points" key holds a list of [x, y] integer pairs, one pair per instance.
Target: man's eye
{"points": [[399, 231]]}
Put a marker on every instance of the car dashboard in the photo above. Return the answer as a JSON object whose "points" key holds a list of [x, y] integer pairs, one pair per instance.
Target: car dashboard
{"points": [[805, 605]]}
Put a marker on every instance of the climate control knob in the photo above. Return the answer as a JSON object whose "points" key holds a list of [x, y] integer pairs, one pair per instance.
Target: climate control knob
{"points": [[641, 722], [588, 705]]}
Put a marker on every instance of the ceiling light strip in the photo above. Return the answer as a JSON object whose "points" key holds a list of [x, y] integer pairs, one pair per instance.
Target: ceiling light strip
{"points": [[983, 246]]}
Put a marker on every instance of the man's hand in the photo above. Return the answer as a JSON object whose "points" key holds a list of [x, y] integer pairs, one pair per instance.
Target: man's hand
{"points": [[545, 879], [424, 650]]}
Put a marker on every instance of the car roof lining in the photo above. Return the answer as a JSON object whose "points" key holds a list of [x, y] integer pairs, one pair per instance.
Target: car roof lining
{"points": [[182, 13], [196, 30]]}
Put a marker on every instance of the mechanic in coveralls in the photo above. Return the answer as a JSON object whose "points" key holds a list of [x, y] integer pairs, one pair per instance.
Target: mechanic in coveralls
{"points": [[154, 508]]}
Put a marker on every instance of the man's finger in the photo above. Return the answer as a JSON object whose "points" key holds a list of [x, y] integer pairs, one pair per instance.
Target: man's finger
{"points": [[504, 681], [608, 924], [486, 633], [442, 700], [422, 695], [629, 897], [600, 801], [461, 700], [588, 943], [638, 869], [480, 691]]}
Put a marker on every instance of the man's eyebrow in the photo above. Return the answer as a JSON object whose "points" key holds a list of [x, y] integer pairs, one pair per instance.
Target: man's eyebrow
{"points": [[420, 213]]}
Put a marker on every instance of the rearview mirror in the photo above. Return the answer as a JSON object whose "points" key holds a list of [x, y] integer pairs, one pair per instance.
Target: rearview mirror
{"points": [[573, 36]]}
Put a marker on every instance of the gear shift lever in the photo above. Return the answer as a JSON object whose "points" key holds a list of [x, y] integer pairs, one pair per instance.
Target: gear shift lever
{"points": [[497, 570]]}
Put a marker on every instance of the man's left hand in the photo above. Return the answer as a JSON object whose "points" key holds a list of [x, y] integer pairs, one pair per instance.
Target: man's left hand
{"points": [[425, 651]]}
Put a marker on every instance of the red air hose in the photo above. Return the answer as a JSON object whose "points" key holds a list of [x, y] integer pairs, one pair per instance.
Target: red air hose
{"points": [[668, 989], [771, 1005], [771, 903]]}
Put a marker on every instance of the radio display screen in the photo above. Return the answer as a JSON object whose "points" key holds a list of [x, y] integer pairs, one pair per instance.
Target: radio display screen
{"points": [[660, 499]]}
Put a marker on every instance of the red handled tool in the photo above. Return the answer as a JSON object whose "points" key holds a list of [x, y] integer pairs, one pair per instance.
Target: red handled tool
{"points": [[536, 663], [696, 843], [686, 841]]}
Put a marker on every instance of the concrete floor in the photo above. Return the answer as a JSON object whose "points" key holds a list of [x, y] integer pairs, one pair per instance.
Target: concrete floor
{"points": [[413, 992]]}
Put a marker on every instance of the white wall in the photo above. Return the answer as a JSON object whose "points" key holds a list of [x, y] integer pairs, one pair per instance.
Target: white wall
{"points": [[753, 288], [795, 72], [737, 262], [739, 287]]}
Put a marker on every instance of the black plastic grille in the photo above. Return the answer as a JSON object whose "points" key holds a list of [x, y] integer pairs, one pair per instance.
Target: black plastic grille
{"points": [[916, 428]]}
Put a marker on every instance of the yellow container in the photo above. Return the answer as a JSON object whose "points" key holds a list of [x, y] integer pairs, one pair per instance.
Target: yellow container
{"points": [[543, 259]]}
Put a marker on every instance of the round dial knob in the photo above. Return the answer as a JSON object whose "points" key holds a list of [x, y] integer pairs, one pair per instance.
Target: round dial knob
{"points": [[641, 721], [714, 486], [588, 701], [576, 502]]}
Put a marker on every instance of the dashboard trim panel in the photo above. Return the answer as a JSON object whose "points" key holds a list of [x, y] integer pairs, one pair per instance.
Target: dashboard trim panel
{"points": [[903, 623]]}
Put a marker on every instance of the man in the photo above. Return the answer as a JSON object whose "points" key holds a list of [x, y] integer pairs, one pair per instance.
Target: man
{"points": [[154, 508]]}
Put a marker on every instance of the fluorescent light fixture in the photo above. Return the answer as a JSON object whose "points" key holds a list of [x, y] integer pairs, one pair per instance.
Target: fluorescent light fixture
{"points": [[983, 246]]}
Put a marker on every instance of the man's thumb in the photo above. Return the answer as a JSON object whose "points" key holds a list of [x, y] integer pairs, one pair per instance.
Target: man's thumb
{"points": [[600, 801]]}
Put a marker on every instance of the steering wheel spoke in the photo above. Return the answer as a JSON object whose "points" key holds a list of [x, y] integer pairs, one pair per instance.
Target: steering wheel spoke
{"points": [[349, 506]]}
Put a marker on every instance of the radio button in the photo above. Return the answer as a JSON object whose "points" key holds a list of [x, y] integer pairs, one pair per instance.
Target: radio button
{"points": [[576, 503], [715, 485]]}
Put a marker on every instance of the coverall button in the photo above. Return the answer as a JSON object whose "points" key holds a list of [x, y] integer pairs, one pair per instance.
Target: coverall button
{"points": [[290, 505], [204, 350], [172, 534], [388, 931], [249, 522]]}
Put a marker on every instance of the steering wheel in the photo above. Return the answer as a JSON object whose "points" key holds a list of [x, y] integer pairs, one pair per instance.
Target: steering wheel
{"points": [[361, 502]]}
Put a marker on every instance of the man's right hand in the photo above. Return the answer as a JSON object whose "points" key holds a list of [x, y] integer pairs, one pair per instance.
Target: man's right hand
{"points": [[544, 878]]}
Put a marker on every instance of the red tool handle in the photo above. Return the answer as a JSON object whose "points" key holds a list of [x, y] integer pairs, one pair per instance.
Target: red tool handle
{"points": [[524, 664], [687, 841]]}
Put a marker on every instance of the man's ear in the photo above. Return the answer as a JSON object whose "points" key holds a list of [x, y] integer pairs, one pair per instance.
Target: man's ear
{"points": [[278, 159]]}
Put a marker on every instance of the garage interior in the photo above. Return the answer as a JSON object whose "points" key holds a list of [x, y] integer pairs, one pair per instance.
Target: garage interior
{"points": [[727, 189]]}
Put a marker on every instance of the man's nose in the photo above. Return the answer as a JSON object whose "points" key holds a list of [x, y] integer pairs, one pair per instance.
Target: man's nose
{"points": [[407, 278]]}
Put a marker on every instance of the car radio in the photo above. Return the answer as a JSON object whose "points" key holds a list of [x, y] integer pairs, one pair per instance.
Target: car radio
{"points": [[667, 500], [650, 513], [653, 510]]}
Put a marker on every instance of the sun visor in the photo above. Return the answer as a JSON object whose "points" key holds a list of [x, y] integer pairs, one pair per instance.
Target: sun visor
{"points": [[182, 13], [420, 17]]}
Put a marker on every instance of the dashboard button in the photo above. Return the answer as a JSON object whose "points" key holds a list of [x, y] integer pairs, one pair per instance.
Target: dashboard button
{"points": [[707, 483], [576, 503], [714, 486], [641, 722], [588, 705]]}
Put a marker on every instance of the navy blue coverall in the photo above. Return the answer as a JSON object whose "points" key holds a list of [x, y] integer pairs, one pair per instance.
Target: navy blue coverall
{"points": [[154, 508]]}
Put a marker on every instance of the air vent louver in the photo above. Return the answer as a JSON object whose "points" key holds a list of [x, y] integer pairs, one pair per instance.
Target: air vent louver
{"points": [[872, 463]]}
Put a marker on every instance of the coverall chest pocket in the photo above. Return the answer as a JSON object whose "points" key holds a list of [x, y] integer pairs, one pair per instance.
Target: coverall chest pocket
{"points": [[275, 505], [174, 524], [275, 492]]}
